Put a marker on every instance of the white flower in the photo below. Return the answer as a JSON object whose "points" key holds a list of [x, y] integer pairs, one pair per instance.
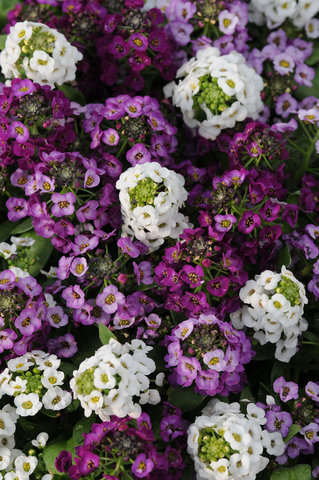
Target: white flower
{"points": [[19, 364], [42, 62], [20, 31], [18, 385], [277, 305], [56, 399], [103, 377], [22, 241], [7, 441], [268, 279], [255, 413], [239, 464], [50, 274], [237, 437], [4, 457], [41, 440], [7, 250], [52, 378], [276, 444], [19, 273], [7, 425], [94, 400], [25, 465], [48, 361], [220, 469], [159, 380], [150, 396], [27, 405]]}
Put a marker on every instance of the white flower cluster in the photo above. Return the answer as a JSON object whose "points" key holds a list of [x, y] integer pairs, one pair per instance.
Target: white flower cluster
{"points": [[107, 382], [275, 313], [42, 54], [150, 197], [35, 382], [275, 12], [7, 250], [216, 92], [13, 461], [228, 445], [161, 4]]}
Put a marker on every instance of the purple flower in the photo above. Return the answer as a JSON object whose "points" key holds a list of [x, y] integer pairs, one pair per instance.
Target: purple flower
{"points": [[207, 382], [82, 244], [25, 87], [181, 32], [128, 247], [286, 390], [284, 63], [215, 360], [56, 317], [30, 286], [219, 286], [224, 223], [118, 47], [227, 22], [63, 204], [27, 322], [193, 276], [304, 75], [187, 370], [270, 211], [18, 131], [7, 279], [138, 42], [79, 267], [18, 208], [138, 61], [312, 390], [63, 461], [7, 337], [110, 299], [143, 273], [285, 105], [73, 296], [157, 41], [249, 221], [89, 462], [138, 155], [142, 466], [91, 179], [310, 433], [290, 214], [110, 137], [278, 422], [64, 346]]}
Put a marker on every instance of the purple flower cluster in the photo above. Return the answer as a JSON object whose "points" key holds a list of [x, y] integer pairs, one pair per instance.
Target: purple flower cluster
{"points": [[209, 353], [130, 446]]}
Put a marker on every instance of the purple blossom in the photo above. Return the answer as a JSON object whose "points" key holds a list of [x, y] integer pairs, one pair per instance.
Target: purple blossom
{"points": [[63, 461], [285, 105], [310, 433], [64, 346], [27, 322], [110, 137], [79, 267], [56, 317], [278, 422], [7, 337], [7, 279], [18, 208], [143, 273], [110, 299], [63, 204], [193, 276], [89, 462], [304, 75], [284, 63], [286, 390], [248, 222], [138, 42], [18, 131], [142, 466], [82, 244], [138, 155], [219, 286], [24, 87], [224, 223], [73, 296]]}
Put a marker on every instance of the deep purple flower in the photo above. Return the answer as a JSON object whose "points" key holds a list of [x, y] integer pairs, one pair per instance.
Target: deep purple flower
{"points": [[270, 211], [187, 370], [63, 204], [224, 223], [73, 296], [219, 286], [128, 247], [138, 42], [63, 461], [142, 466], [286, 390], [118, 47], [25, 87], [193, 276], [138, 155], [138, 61], [110, 299], [18, 131], [290, 214], [89, 462], [249, 221], [157, 41]]}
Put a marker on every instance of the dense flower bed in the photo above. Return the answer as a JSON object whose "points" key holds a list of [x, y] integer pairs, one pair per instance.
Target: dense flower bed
{"points": [[159, 240]]}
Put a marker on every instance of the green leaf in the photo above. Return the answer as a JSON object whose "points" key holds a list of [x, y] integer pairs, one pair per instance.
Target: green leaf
{"points": [[105, 334], [73, 406], [40, 251], [311, 337], [284, 258], [277, 371], [246, 394], [293, 430], [83, 426], [177, 317], [3, 39], [314, 57], [157, 354], [188, 474], [23, 227], [67, 368], [52, 450], [299, 472], [6, 229], [72, 94], [185, 398]]}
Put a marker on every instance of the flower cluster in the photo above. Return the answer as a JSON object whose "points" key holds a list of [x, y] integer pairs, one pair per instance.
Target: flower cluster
{"points": [[217, 91], [276, 12], [107, 382], [277, 304], [35, 51], [151, 197], [209, 353], [224, 442], [35, 382]]}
